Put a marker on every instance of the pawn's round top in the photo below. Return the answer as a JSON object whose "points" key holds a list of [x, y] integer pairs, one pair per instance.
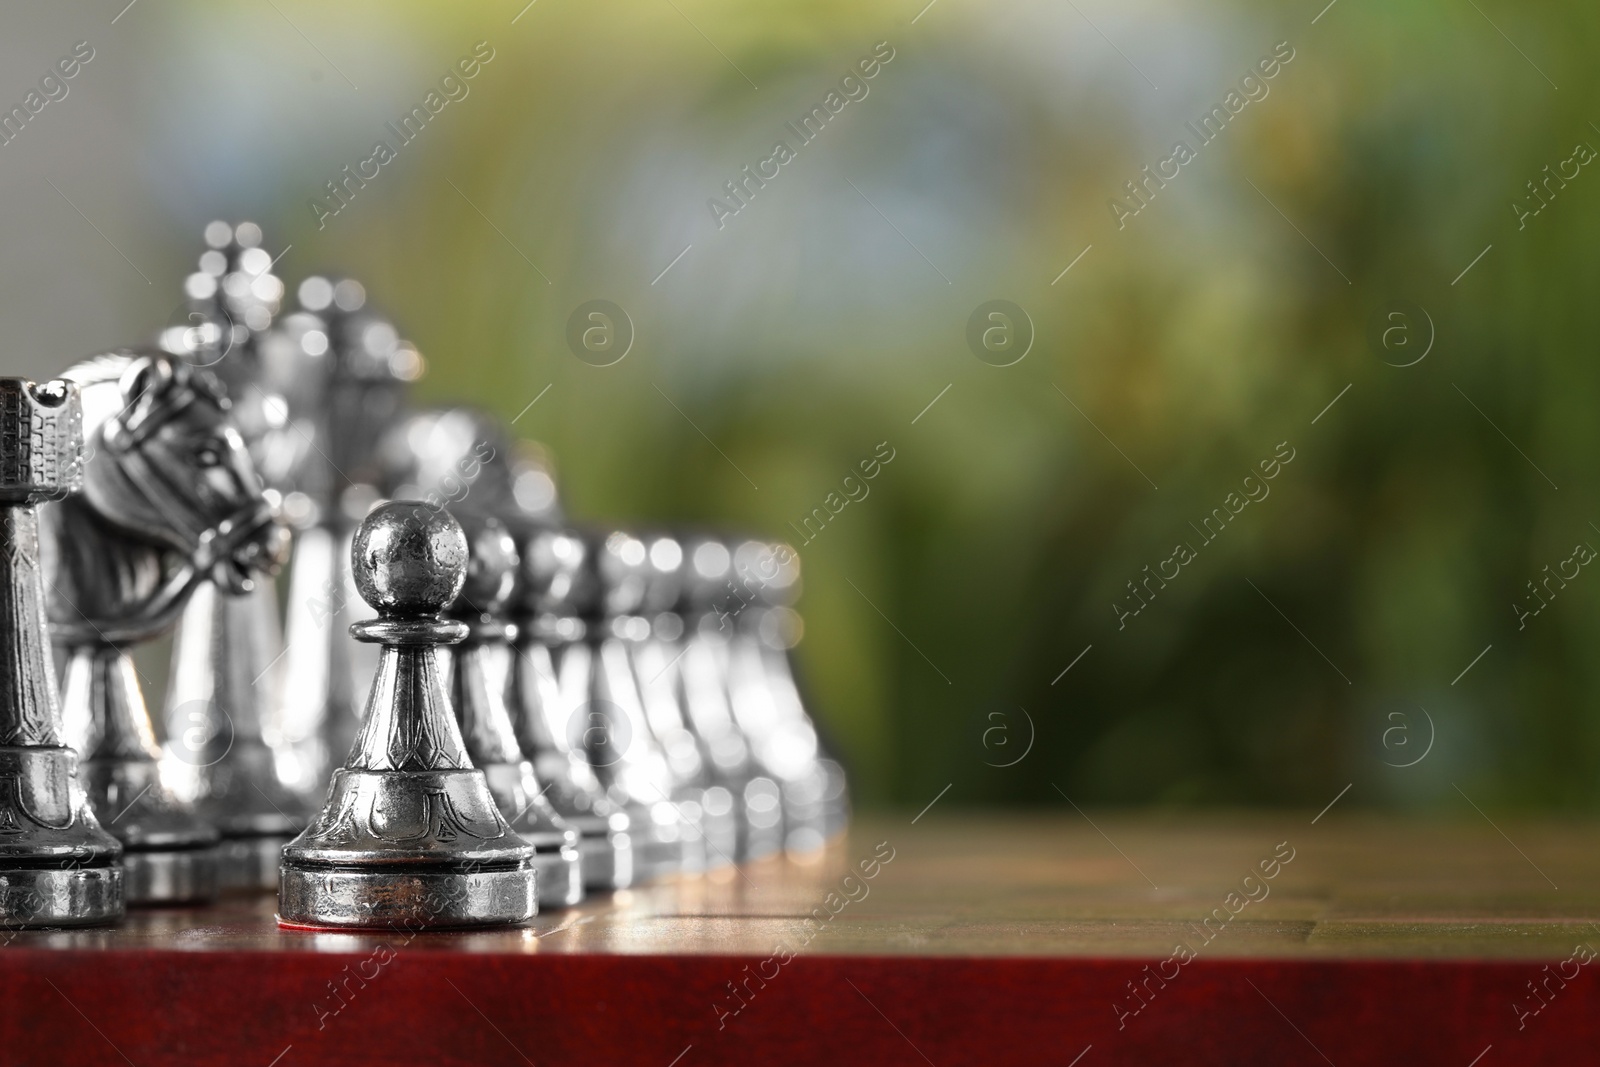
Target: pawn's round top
{"points": [[707, 573], [620, 563], [409, 559], [769, 569], [551, 566], [664, 575], [491, 566]]}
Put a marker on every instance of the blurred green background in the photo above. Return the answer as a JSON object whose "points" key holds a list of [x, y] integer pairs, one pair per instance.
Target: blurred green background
{"points": [[1323, 639]]}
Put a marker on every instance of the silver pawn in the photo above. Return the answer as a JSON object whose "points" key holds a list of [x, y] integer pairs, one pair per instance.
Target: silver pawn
{"points": [[552, 563], [703, 671], [766, 699], [409, 833], [656, 653], [485, 720], [57, 866], [216, 756], [606, 719]]}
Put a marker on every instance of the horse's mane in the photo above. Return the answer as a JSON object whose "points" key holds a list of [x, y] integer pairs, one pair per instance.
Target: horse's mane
{"points": [[125, 564], [108, 392], [92, 375]]}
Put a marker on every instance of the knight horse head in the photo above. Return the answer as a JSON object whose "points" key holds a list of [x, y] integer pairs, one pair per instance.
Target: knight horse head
{"points": [[170, 498]]}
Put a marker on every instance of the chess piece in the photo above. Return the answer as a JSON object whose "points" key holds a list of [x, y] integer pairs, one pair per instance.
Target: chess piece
{"points": [[223, 752], [217, 757], [448, 457], [703, 672], [370, 376], [364, 384], [656, 653], [409, 832], [552, 564], [766, 700], [480, 707], [230, 302], [294, 357], [534, 497], [57, 866], [606, 720], [170, 500]]}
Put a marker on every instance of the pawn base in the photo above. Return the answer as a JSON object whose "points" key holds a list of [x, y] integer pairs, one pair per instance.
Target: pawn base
{"points": [[659, 851], [759, 844], [170, 876], [719, 825], [250, 864], [32, 898], [414, 897], [761, 830], [560, 877], [555, 842], [835, 799], [170, 854], [606, 862]]}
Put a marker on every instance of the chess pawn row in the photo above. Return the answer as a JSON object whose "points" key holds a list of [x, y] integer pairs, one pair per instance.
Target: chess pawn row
{"points": [[552, 562], [478, 695], [601, 713], [738, 684], [767, 698], [654, 636], [581, 718], [698, 669], [635, 681]]}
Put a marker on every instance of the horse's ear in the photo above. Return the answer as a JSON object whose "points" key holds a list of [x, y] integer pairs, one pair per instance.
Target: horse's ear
{"points": [[145, 379], [144, 384]]}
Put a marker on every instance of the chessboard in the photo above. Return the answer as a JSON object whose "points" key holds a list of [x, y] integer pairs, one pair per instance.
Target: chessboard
{"points": [[955, 939]]}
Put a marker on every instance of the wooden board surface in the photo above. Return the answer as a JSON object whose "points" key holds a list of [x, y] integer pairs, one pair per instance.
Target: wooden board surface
{"points": [[957, 939]]}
